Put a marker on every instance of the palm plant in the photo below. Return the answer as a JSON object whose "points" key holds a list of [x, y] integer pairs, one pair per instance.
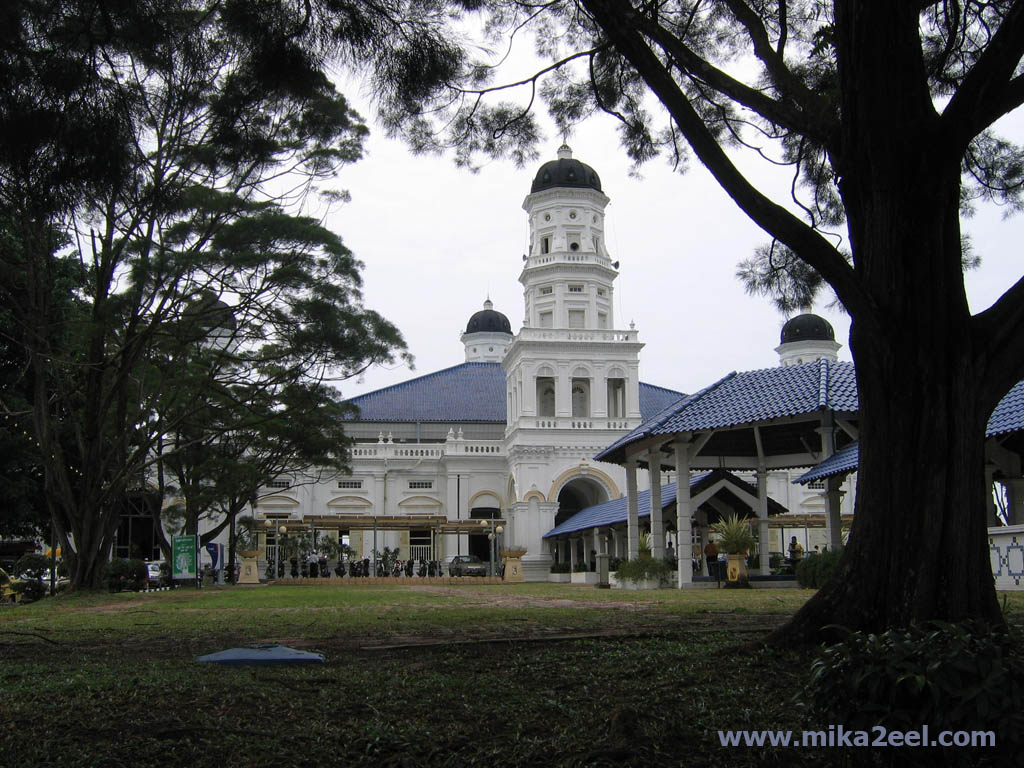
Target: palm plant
{"points": [[734, 535]]}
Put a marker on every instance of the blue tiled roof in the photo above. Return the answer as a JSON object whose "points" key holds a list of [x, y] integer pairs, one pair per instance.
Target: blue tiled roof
{"points": [[1009, 414], [467, 392], [752, 396], [614, 511], [470, 392], [653, 400], [843, 460], [1007, 417]]}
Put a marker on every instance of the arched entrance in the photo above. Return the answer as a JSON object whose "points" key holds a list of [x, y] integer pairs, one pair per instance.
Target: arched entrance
{"points": [[579, 493]]}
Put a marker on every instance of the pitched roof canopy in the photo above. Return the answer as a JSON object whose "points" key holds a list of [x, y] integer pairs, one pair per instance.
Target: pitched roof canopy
{"points": [[786, 401]]}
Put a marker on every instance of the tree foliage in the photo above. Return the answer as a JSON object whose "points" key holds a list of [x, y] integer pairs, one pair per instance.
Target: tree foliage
{"points": [[159, 154]]}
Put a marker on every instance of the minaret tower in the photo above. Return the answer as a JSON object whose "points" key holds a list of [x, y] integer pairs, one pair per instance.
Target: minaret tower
{"points": [[568, 275], [572, 378]]}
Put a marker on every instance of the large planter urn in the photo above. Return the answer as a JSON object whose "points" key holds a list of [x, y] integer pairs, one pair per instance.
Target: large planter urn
{"points": [[512, 563], [249, 573], [736, 569]]}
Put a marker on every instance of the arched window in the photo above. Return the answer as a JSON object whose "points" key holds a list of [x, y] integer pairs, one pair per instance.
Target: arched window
{"points": [[545, 396], [616, 398], [581, 398]]}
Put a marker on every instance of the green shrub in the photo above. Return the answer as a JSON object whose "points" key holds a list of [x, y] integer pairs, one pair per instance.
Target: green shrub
{"points": [[559, 567], [580, 567], [642, 569], [949, 676], [127, 575], [31, 569], [814, 572]]}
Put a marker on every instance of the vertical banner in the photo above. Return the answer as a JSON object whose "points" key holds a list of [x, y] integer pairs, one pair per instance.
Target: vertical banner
{"points": [[183, 557]]}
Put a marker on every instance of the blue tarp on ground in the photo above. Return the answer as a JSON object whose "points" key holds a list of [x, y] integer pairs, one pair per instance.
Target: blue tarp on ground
{"points": [[261, 655]]}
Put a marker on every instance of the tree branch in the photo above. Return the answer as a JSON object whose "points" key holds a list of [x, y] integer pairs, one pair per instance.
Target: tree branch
{"points": [[778, 112], [999, 340], [989, 90], [788, 84], [619, 23]]}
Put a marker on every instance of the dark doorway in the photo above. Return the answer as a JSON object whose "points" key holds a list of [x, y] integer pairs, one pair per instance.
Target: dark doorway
{"points": [[479, 544], [136, 532]]}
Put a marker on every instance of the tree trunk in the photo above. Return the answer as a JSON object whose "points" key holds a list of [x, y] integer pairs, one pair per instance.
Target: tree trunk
{"points": [[918, 548]]}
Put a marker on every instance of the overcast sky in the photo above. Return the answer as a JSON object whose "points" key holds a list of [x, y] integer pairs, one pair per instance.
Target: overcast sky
{"points": [[437, 240]]}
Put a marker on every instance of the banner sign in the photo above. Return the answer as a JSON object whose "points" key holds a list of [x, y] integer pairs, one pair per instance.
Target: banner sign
{"points": [[183, 557], [214, 550]]}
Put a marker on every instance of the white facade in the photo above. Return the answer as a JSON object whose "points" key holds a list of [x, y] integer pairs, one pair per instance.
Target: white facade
{"points": [[572, 387]]}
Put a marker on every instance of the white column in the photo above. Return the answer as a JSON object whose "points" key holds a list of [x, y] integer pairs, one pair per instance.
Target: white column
{"points": [[762, 520], [683, 524], [572, 553], [632, 520], [833, 496], [990, 502], [833, 504], [657, 524], [1014, 500]]}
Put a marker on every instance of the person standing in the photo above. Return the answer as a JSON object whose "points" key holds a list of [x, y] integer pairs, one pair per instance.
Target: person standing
{"points": [[711, 558]]}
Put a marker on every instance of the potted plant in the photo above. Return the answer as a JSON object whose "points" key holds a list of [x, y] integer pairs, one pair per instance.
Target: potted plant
{"points": [[642, 573], [736, 539], [559, 573]]}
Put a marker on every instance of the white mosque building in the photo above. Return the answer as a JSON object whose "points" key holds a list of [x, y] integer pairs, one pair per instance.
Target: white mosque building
{"points": [[506, 439]]}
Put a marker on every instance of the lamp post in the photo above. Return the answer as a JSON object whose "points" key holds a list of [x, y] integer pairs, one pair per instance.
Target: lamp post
{"points": [[492, 540], [271, 562], [283, 530]]}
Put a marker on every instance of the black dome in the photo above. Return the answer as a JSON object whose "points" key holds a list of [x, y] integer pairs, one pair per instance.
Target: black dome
{"points": [[807, 327], [565, 172], [488, 320]]}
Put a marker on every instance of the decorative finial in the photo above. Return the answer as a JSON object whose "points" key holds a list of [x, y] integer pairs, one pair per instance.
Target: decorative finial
{"points": [[565, 152], [488, 304]]}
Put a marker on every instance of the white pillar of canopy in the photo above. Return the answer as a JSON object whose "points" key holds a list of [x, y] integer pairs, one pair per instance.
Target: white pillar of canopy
{"points": [[685, 534], [657, 523], [632, 512]]}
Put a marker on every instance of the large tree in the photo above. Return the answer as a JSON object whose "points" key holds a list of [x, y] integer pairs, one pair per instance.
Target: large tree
{"points": [[886, 114], [172, 141]]}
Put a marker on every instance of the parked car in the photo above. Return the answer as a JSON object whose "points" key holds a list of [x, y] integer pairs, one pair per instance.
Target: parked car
{"points": [[467, 565], [62, 581], [7, 591], [154, 575]]}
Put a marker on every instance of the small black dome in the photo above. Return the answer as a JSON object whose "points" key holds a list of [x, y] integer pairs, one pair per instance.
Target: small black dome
{"points": [[487, 320], [565, 172], [807, 327]]}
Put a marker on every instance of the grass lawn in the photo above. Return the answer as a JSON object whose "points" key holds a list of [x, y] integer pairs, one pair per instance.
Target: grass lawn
{"points": [[530, 675]]}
